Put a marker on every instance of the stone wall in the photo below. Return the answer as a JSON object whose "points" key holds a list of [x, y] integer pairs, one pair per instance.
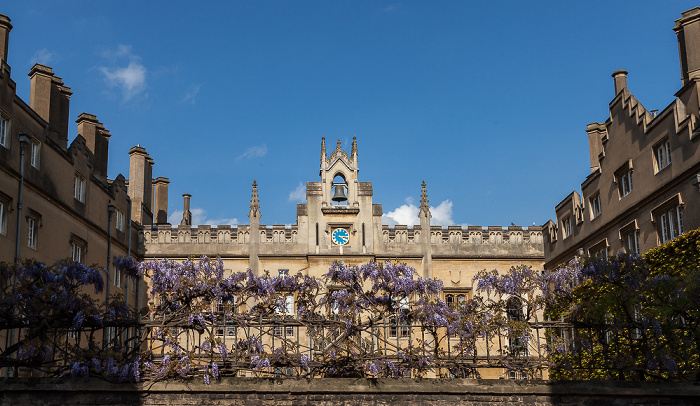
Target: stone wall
{"points": [[355, 392]]}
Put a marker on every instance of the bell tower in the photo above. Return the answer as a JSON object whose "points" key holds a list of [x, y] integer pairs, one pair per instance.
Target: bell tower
{"points": [[339, 175], [339, 207]]}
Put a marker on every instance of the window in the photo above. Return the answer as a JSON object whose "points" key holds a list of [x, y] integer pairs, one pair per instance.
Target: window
{"points": [[623, 177], [288, 306], [599, 250], [77, 250], [33, 224], [595, 206], [455, 300], [662, 154], [79, 188], [34, 156], [397, 323], [515, 313], [4, 209], [671, 223], [4, 131], [566, 226], [120, 220], [631, 241], [117, 277]]}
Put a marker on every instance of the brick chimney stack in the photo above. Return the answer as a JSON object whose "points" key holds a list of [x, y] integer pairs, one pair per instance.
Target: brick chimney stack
{"points": [[688, 31], [140, 185], [160, 200], [50, 98], [5, 28], [97, 140]]}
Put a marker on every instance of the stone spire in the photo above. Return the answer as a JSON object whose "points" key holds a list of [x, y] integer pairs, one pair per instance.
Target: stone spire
{"points": [[323, 148], [254, 202], [424, 207], [339, 147], [354, 147], [186, 213], [424, 217]]}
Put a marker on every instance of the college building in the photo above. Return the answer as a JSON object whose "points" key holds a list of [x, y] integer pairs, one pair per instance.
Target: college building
{"points": [[644, 185]]}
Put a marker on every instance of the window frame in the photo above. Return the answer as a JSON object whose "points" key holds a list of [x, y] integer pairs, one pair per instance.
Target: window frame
{"points": [[79, 185], [600, 250], [33, 224], [623, 178], [119, 220], [35, 153], [566, 226], [662, 155], [5, 130], [5, 207], [596, 208]]}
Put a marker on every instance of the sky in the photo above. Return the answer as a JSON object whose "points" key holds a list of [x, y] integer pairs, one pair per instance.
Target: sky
{"points": [[486, 101]]}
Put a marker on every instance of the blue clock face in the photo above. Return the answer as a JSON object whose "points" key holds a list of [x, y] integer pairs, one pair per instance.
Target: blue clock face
{"points": [[340, 236]]}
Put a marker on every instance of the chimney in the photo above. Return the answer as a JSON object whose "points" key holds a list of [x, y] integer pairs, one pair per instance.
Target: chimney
{"points": [[50, 98], [140, 185], [186, 213], [160, 204], [688, 31], [97, 141], [596, 132], [620, 77], [5, 28]]}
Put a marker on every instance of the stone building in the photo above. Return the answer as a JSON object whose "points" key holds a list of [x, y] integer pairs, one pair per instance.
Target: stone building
{"points": [[644, 185], [340, 222], [56, 201]]}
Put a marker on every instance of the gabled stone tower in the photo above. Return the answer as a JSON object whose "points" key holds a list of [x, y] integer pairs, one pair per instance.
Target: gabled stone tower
{"points": [[339, 209]]}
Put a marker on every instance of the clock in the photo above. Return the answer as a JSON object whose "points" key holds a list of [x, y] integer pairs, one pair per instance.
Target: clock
{"points": [[340, 236]]}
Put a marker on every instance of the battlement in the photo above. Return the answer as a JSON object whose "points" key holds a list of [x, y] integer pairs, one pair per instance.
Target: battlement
{"points": [[401, 234], [221, 234]]}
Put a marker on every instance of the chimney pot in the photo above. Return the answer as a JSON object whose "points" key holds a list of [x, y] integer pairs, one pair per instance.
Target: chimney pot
{"points": [[688, 31], [5, 28], [620, 77]]}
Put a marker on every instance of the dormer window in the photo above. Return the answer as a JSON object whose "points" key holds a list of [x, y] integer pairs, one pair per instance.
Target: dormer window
{"points": [[566, 226]]}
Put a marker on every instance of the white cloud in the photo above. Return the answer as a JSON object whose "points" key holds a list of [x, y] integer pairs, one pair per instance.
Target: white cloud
{"points": [[298, 194], [253, 152], [131, 79], [407, 214], [43, 56], [199, 216], [191, 94]]}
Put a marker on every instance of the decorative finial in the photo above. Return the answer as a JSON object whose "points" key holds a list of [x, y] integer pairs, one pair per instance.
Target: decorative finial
{"points": [[254, 202], [339, 147], [354, 146], [323, 148], [424, 207]]}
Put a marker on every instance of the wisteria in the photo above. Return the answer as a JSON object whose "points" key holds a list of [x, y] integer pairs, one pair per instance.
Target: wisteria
{"points": [[374, 320]]}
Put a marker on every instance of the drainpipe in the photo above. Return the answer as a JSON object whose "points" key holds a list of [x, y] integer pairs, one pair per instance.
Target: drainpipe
{"points": [[110, 210], [23, 142], [128, 247]]}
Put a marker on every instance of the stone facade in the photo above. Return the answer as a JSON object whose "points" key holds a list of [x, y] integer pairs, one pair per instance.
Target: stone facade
{"points": [[644, 185], [453, 254], [56, 201]]}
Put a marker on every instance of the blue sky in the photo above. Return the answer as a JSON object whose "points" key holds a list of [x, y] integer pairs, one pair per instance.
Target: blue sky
{"points": [[486, 101]]}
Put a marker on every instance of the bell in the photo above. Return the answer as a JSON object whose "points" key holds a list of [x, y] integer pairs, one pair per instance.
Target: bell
{"points": [[339, 195]]}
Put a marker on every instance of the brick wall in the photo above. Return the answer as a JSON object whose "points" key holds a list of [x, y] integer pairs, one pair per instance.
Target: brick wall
{"points": [[355, 392]]}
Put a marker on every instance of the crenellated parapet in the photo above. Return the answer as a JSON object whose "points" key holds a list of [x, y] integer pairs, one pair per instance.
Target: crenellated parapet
{"points": [[492, 235], [221, 234]]}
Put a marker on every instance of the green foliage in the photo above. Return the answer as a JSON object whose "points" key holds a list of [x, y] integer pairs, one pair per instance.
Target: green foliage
{"points": [[632, 318]]}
